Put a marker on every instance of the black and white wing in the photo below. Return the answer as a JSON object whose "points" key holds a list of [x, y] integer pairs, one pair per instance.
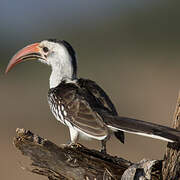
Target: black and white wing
{"points": [[70, 103], [107, 107]]}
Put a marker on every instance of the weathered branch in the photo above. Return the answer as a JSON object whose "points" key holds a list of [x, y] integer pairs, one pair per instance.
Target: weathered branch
{"points": [[171, 164], [78, 162]]}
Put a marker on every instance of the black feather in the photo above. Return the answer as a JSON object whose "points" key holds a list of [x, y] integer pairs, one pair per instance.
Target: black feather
{"points": [[72, 53]]}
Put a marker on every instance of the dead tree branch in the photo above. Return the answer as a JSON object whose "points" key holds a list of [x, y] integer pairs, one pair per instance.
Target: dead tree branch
{"points": [[78, 162]]}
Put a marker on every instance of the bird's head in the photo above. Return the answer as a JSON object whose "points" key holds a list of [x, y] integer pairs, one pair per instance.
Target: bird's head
{"points": [[57, 54]]}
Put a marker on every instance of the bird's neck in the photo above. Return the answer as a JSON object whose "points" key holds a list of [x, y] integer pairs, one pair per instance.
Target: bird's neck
{"points": [[61, 72]]}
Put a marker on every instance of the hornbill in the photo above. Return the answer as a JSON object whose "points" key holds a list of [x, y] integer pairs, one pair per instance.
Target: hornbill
{"points": [[81, 104]]}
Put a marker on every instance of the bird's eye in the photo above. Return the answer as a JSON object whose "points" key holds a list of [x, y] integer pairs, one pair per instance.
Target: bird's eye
{"points": [[45, 49]]}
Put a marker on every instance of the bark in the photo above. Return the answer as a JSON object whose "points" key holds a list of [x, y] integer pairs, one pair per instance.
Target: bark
{"points": [[78, 162], [171, 164]]}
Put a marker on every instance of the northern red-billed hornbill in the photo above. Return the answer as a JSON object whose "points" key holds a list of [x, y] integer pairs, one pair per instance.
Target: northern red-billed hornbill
{"points": [[80, 103]]}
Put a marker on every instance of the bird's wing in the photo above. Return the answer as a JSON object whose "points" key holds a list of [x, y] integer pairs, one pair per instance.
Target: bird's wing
{"points": [[76, 103], [107, 107], [99, 94]]}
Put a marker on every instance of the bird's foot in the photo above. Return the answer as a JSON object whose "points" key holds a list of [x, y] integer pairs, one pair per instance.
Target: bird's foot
{"points": [[103, 151], [72, 145], [103, 146]]}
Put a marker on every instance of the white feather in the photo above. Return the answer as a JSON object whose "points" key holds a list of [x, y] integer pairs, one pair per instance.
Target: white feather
{"points": [[60, 62]]}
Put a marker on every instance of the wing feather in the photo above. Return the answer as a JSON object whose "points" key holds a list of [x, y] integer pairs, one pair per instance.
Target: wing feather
{"points": [[79, 112]]}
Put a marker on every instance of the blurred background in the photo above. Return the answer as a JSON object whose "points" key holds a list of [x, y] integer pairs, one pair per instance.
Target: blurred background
{"points": [[129, 47]]}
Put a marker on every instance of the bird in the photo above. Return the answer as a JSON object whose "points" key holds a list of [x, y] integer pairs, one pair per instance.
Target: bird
{"points": [[81, 104]]}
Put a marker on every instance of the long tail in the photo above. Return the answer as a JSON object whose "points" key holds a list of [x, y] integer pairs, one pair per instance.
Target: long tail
{"points": [[143, 128]]}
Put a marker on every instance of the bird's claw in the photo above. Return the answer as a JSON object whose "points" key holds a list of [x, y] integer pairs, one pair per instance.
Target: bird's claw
{"points": [[72, 145], [103, 151]]}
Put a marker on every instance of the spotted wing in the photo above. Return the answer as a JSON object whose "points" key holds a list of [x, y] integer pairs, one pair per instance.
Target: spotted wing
{"points": [[103, 100], [77, 108]]}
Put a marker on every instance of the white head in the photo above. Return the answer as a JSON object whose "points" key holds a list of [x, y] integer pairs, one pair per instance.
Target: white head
{"points": [[58, 54]]}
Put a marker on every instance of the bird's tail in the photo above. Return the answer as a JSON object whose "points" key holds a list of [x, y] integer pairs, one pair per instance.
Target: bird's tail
{"points": [[143, 128]]}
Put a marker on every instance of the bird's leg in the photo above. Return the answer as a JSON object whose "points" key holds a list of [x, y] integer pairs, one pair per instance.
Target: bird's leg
{"points": [[103, 146], [74, 137]]}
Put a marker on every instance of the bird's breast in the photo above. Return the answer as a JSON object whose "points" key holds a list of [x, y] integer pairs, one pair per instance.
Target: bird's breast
{"points": [[57, 108]]}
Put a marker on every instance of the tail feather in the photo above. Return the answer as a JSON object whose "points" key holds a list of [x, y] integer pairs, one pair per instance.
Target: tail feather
{"points": [[143, 128], [119, 135]]}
